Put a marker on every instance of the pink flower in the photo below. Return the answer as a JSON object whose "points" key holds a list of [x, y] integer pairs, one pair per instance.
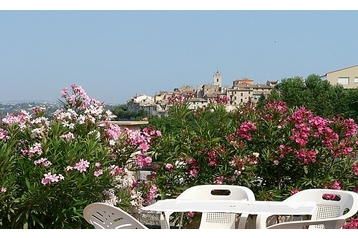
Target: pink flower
{"points": [[351, 224], [336, 185], [144, 147], [51, 178], [193, 172], [82, 165], [153, 192], [116, 171], [283, 151], [4, 134], [36, 149], [245, 129], [219, 180], [69, 136], [355, 168], [64, 93], [277, 106], [168, 166], [307, 156], [98, 172], [113, 132], [143, 162], [68, 168], [192, 161], [3, 190], [43, 161], [72, 100]]}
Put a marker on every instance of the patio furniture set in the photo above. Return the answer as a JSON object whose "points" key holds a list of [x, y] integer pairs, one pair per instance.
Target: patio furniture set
{"points": [[229, 206]]}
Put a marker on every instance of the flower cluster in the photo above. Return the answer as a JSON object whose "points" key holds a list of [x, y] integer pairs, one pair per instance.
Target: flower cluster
{"points": [[245, 129], [179, 99], [51, 178]]}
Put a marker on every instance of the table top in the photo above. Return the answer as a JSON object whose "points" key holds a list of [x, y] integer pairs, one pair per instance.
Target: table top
{"points": [[233, 206]]}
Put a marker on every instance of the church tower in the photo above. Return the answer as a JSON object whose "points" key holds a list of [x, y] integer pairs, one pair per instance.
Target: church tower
{"points": [[218, 79]]}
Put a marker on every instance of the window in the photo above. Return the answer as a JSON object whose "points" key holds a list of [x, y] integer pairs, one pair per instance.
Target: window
{"points": [[343, 80], [356, 80]]}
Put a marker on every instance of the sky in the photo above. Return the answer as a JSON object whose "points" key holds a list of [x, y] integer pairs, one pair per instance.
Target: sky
{"points": [[117, 53]]}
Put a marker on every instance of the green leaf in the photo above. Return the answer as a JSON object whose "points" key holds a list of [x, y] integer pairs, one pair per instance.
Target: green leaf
{"points": [[305, 169], [27, 184]]}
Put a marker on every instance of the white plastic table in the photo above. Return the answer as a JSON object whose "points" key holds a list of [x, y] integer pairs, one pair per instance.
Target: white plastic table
{"points": [[233, 206]]}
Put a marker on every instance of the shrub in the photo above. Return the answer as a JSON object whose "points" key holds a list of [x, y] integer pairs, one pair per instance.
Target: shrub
{"points": [[273, 150], [52, 168]]}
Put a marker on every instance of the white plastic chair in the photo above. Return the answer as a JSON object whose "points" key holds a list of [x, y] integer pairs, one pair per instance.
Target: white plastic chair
{"points": [[343, 205], [105, 216], [215, 220], [332, 223]]}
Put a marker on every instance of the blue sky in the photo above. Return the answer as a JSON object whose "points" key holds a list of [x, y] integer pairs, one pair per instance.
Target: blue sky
{"points": [[117, 54]]}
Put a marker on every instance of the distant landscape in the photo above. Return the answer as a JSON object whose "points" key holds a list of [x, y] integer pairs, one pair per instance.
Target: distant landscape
{"points": [[17, 106]]}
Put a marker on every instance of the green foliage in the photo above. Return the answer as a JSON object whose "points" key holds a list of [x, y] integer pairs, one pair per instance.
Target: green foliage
{"points": [[273, 150], [313, 93], [122, 113]]}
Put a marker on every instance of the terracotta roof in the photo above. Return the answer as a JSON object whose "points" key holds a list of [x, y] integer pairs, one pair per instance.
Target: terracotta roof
{"points": [[244, 79]]}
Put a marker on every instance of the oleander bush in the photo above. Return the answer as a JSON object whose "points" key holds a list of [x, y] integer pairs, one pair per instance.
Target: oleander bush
{"points": [[274, 150], [52, 167]]}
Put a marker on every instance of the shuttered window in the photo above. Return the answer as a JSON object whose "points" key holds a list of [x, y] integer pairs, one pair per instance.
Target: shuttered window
{"points": [[343, 80]]}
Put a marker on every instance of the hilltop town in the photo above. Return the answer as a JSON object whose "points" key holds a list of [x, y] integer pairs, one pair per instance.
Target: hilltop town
{"points": [[242, 91]]}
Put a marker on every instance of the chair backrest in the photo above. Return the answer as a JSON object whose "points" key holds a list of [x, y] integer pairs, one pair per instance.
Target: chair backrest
{"points": [[330, 204], [105, 216], [218, 220], [218, 192], [332, 223]]}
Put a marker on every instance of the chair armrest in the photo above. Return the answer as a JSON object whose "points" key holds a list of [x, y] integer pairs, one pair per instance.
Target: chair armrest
{"points": [[332, 223]]}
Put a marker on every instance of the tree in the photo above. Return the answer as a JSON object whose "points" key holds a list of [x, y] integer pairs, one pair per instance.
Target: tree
{"points": [[123, 113], [313, 93], [351, 103]]}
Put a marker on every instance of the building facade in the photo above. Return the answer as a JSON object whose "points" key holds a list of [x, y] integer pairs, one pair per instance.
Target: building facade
{"points": [[347, 77]]}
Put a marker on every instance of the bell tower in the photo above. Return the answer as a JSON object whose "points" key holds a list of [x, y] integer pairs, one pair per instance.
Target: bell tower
{"points": [[217, 79]]}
